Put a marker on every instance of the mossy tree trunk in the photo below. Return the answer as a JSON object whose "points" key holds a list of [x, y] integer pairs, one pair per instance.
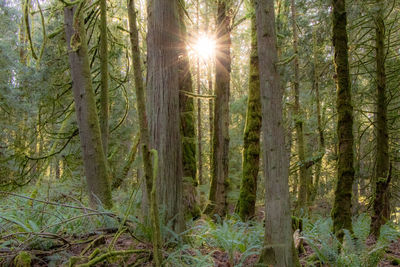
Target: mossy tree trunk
{"points": [[341, 212], [94, 160], [163, 105], [220, 145], [278, 239], [251, 142], [104, 109], [150, 187], [188, 132], [381, 206], [297, 114]]}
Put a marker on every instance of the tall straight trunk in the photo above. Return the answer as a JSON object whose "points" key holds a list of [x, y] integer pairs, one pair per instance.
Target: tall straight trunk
{"points": [[144, 131], [321, 138], [210, 91], [220, 160], [163, 105], [104, 111], [199, 131], [85, 105], [381, 204], [251, 140], [278, 238], [188, 131], [303, 179], [341, 212]]}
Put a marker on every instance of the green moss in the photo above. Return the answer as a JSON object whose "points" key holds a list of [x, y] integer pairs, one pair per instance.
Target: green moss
{"points": [[23, 259], [341, 212], [188, 131], [251, 147]]}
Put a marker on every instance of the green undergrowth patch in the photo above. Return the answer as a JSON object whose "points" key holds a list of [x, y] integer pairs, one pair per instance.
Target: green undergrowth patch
{"points": [[55, 226], [357, 249]]}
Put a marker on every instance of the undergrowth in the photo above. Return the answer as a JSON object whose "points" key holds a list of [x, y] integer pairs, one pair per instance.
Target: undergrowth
{"points": [[354, 251], [61, 218]]}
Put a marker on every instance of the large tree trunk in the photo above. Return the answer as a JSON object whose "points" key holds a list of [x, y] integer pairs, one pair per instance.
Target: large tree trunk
{"points": [[188, 132], [220, 145], [303, 174], [144, 135], [251, 142], [382, 176], [163, 105], [278, 238], [104, 110], [85, 105], [341, 212]]}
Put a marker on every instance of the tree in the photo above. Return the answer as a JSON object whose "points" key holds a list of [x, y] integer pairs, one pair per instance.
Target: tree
{"points": [[303, 177], [187, 118], [381, 205], [251, 140], [341, 211], [220, 140], [104, 110], [278, 238], [144, 131], [163, 105], [88, 122]]}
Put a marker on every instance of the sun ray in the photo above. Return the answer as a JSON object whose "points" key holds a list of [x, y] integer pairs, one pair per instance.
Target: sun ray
{"points": [[204, 47]]}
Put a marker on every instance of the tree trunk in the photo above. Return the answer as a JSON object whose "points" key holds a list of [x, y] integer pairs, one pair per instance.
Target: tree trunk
{"points": [[220, 146], [188, 132], [303, 177], [381, 204], [163, 105], [104, 111], [278, 238], [85, 105], [199, 131], [251, 142], [150, 189], [321, 138], [341, 212]]}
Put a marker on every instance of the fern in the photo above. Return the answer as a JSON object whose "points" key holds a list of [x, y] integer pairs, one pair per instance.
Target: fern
{"points": [[353, 252]]}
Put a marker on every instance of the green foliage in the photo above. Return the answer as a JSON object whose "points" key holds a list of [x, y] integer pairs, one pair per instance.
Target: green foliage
{"points": [[231, 235], [353, 252]]}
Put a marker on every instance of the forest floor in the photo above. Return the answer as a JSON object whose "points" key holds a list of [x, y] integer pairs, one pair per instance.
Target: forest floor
{"points": [[57, 229], [86, 249]]}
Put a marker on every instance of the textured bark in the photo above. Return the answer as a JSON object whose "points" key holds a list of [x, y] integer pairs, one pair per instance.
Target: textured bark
{"points": [[188, 132], [381, 204], [150, 177], [251, 142], [303, 174], [163, 105], [104, 110], [88, 122], [278, 239], [341, 212], [220, 145]]}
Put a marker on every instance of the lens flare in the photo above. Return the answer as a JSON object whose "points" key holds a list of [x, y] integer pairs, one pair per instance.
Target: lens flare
{"points": [[204, 47]]}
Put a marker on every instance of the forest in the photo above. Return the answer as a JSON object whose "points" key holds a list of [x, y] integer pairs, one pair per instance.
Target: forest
{"points": [[200, 133]]}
